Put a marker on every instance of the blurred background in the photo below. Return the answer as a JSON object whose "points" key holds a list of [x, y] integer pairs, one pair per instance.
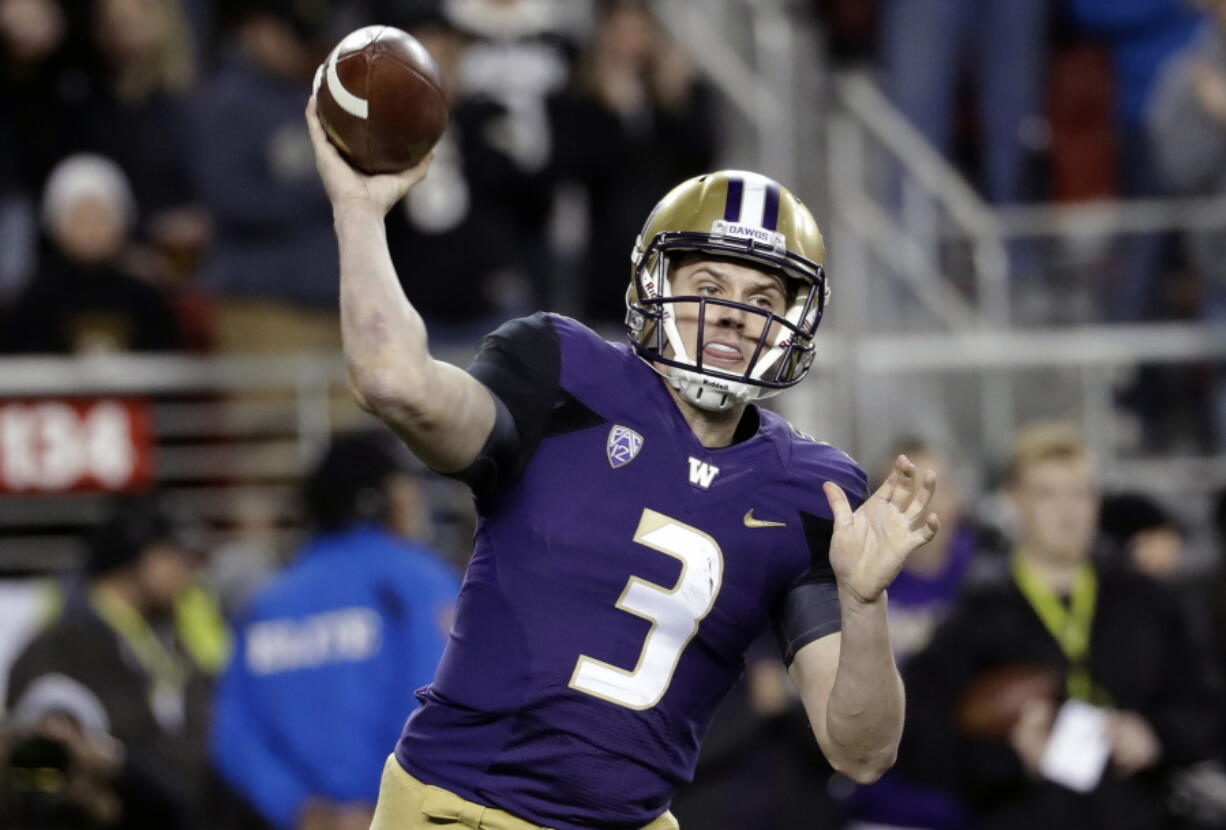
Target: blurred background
{"points": [[1024, 203]]}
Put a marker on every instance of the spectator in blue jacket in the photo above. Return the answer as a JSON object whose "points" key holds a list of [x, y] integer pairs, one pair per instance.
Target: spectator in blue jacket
{"points": [[328, 653]]}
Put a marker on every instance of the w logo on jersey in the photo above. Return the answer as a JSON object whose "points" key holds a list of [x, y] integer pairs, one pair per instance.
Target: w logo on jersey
{"points": [[702, 473], [623, 445]]}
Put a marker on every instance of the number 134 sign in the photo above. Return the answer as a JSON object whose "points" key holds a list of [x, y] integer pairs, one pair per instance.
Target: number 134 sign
{"points": [[52, 446]]}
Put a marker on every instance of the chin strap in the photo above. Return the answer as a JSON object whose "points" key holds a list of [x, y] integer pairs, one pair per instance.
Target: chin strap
{"points": [[709, 393]]}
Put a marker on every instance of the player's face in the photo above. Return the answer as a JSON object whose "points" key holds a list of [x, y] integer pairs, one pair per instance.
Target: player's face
{"points": [[1057, 505], [730, 335]]}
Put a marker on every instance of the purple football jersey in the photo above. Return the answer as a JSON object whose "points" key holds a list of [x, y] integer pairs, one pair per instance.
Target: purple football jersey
{"points": [[621, 570]]}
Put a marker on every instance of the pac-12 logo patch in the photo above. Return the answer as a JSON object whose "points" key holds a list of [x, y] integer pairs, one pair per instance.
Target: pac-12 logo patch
{"points": [[623, 445]]}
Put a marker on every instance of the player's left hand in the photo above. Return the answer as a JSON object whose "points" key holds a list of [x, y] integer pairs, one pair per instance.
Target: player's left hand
{"points": [[869, 546]]}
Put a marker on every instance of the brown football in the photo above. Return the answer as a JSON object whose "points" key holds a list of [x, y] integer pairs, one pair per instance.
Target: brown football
{"points": [[992, 702], [380, 99]]}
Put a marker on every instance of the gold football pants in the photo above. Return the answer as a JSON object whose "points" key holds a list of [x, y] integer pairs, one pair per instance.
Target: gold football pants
{"points": [[407, 804]]}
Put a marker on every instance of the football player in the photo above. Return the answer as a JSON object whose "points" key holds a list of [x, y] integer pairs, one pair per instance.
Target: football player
{"points": [[641, 520]]}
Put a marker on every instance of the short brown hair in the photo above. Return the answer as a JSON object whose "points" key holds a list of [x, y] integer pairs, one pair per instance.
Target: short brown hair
{"points": [[1045, 441]]}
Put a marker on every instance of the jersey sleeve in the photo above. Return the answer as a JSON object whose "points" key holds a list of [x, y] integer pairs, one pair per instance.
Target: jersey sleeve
{"points": [[810, 609], [521, 364]]}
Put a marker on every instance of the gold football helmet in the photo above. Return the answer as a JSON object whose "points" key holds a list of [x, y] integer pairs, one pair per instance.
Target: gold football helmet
{"points": [[749, 218]]}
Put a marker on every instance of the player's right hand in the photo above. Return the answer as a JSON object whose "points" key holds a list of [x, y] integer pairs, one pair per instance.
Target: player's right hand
{"points": [[346, 186]]}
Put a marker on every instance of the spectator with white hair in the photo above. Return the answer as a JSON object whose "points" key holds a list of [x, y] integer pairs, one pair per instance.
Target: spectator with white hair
{"points": [[82, 299]]}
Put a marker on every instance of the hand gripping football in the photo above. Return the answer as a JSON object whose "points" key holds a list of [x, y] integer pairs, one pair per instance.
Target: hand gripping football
{"points": [[380, 99]]}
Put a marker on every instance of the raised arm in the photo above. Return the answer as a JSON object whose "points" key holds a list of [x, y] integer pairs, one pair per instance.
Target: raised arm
{"points": [[441, 412], [848, 681]]}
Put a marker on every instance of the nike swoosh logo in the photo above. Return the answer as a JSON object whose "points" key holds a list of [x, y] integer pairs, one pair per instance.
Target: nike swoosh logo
{"points": [[750, 521]]}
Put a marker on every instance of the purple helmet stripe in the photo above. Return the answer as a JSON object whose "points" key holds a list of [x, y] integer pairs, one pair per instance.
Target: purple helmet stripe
{"points": [[732, 207], [770, 213]]}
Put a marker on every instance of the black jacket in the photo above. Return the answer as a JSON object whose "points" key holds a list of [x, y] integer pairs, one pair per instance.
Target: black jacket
{"points": [[1141, 652], [68, 306], [165, 769]]}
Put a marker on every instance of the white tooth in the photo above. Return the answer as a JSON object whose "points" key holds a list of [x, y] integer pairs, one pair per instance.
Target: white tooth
{"points": [[720, 347]]}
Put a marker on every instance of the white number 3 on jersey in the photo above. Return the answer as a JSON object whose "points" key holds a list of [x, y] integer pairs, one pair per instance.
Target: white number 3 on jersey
{"points": [[674, 614]]}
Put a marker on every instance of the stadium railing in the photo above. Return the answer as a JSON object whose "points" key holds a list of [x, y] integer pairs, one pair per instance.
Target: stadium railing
{"points": [[928, 333], [931, 283], [203, 430]]}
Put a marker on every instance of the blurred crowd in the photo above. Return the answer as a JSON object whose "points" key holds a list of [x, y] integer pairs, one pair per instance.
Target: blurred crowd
{"points": [[1041, 593], [155, 687], [157, 189], [166, 685], [1075, 101], [158, 144], [158, 192]]}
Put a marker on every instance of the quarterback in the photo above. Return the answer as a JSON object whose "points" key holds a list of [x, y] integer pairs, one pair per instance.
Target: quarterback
{"points": [[641, 520]]}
